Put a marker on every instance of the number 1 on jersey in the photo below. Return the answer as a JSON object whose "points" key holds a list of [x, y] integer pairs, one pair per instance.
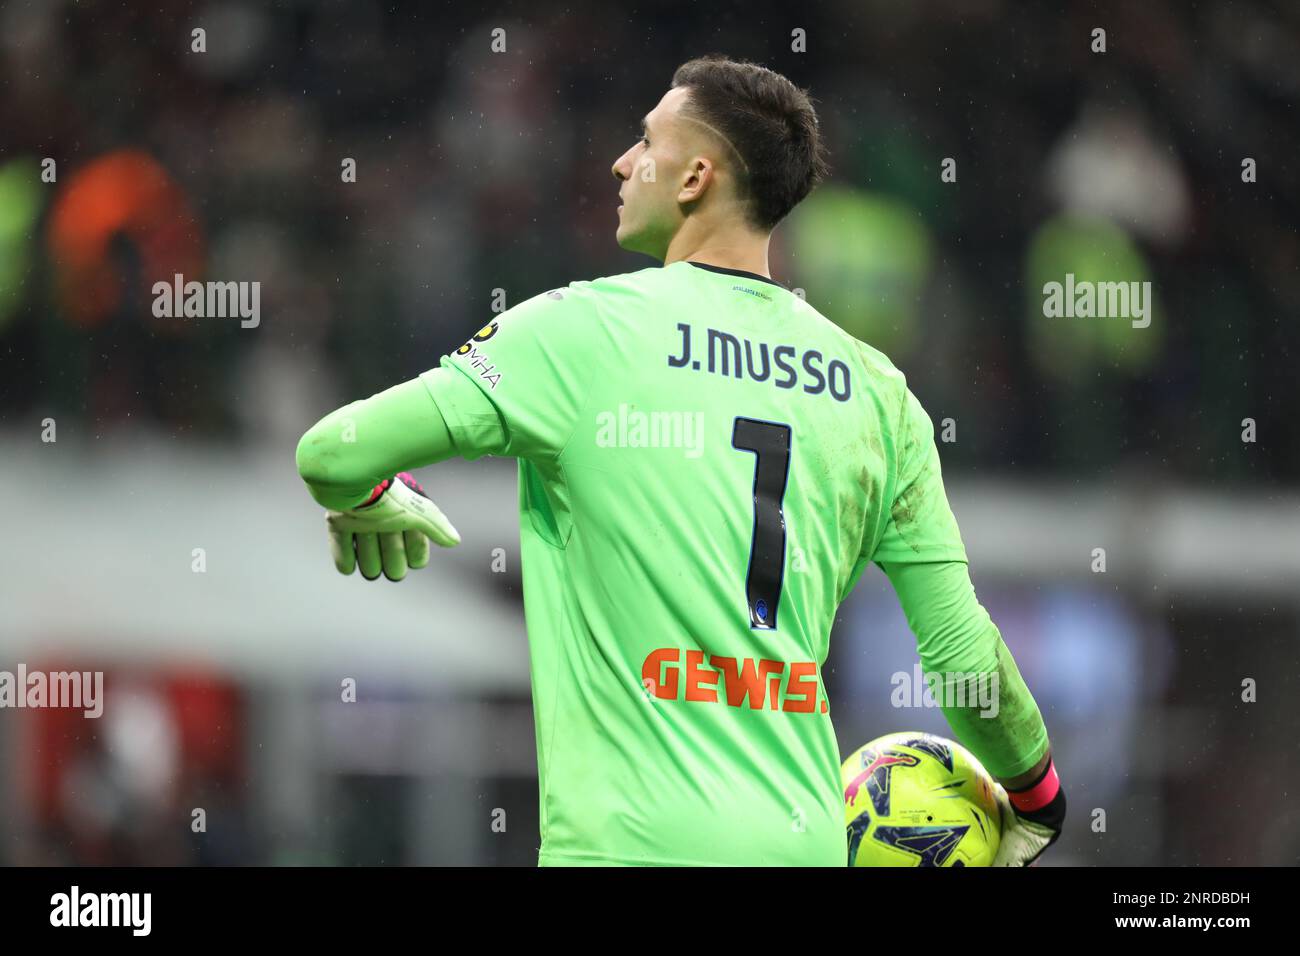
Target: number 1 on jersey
{"points": [[770, 443]]}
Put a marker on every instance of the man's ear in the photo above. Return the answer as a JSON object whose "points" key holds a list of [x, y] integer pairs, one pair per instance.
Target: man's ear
{"points": [[696, 180]]}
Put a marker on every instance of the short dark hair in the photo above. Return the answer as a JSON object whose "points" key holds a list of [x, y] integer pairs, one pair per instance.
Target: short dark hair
{"points": [[769, 121]]}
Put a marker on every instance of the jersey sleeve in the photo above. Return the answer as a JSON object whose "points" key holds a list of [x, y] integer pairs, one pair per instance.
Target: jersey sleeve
{"points": [[920, 526], [984, 699], [518, 385], [351, 450]]}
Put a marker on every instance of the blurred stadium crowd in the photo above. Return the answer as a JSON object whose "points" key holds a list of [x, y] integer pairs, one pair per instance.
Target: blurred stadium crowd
{"points": [[479, 171]]}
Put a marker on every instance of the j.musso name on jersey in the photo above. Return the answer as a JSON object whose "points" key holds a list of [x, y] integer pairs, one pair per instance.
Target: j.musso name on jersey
{"points": [[785, 365]]}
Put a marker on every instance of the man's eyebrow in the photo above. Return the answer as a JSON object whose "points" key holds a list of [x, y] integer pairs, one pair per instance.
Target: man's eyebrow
{"points": [[644, 127]]}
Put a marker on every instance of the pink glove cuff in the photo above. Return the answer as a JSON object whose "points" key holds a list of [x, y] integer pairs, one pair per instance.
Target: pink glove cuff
{"points": [[1038, 795]]}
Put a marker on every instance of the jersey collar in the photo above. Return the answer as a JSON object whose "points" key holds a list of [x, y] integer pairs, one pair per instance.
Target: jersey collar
{"points": [[734, 272]]}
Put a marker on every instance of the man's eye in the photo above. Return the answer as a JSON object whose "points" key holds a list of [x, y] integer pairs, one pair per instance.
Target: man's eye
{"points": [[645, 140]]}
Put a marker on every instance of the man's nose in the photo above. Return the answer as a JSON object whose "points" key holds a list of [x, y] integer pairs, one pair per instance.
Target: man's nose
{"points": [[619, 165]]}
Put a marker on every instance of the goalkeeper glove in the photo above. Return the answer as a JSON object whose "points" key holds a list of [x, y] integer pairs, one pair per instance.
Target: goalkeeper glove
{"points": [[390, 532], [1032, 819]]}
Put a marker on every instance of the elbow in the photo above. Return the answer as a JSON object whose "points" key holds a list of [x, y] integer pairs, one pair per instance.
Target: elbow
{"points": [[327, 463], [313, 455]]}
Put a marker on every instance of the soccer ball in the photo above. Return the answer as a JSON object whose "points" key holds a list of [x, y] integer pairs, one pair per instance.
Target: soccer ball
{"points": [[914, 799]]}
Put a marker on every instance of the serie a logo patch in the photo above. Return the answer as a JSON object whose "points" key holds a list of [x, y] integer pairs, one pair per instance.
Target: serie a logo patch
{"points": [[477, 359], [482, 335]]}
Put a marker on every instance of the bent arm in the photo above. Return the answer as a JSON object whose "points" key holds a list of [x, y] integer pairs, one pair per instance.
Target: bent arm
{"points": [[994, 714], [351, 450]]}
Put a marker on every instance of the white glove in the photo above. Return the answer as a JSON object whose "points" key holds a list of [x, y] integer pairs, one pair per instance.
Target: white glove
{"points": [[1026, 834], [389, 533]]}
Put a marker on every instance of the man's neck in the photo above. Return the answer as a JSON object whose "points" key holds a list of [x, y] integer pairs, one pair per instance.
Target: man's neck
{"points": [[742, 250]]}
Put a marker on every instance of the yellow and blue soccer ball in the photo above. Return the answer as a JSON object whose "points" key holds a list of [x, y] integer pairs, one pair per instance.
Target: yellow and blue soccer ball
{"points": [[914, 799]]}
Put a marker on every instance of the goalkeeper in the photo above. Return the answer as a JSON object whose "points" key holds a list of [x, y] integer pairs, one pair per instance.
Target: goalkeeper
{"points": [[680, 590]]}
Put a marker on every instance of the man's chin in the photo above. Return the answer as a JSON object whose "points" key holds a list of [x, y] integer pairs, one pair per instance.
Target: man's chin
{"points": [[633, 242], [625, 238]]}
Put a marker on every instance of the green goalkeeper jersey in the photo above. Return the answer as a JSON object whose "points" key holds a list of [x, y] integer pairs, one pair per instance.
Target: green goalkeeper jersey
{"points": [[706, 466]]}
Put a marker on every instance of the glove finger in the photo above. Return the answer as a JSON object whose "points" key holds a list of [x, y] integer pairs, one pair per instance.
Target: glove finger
{"points": [[345, 559], [393, 551], [417, 549], [435, 524], [368, 555]]}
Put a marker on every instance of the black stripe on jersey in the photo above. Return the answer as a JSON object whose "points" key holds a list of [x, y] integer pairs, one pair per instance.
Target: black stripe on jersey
{"points": [[736, 272]]}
